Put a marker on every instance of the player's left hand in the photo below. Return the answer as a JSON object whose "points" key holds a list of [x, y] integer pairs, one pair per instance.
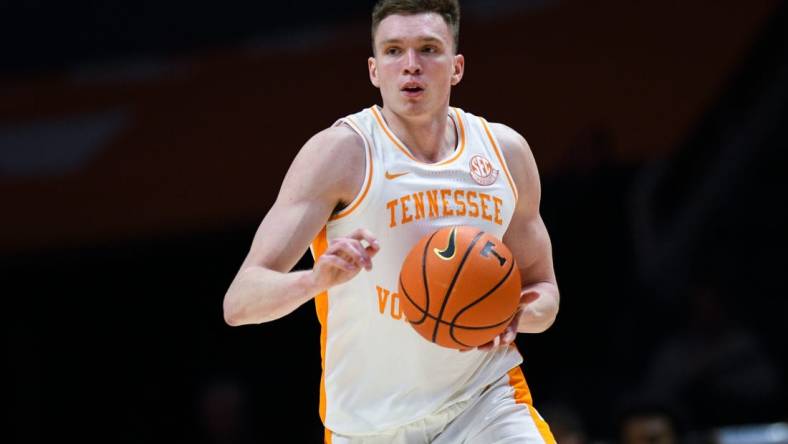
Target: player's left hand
{"points": [[508, 335]]}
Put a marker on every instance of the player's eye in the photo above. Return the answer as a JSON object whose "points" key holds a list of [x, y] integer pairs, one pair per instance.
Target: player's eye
{"points": [[392, 51], [429, 49]]}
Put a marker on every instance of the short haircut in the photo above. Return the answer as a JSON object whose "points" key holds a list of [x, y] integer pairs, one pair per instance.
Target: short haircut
{"points": [[448, 9]]}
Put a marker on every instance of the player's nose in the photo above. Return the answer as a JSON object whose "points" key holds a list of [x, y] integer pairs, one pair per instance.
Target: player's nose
{"points": [[412, 64]]}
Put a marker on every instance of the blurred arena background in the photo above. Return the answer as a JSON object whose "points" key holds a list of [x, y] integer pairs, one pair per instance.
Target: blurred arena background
{"points": [[142, 142]]}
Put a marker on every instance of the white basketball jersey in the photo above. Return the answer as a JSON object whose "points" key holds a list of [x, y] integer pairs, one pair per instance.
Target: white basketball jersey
{"points": [[378, 373]]}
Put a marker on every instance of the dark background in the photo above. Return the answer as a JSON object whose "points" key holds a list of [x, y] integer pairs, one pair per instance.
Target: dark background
{"points": [[142, 143]]}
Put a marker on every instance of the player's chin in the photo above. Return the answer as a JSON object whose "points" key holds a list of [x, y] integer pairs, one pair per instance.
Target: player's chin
{"points": [[415, 107]]}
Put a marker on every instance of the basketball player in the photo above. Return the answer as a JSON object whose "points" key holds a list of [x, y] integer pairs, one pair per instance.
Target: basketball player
{"points": [[361, 193]]}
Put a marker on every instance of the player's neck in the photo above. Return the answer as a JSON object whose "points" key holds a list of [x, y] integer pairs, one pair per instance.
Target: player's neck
{"points": [[430, 138]]}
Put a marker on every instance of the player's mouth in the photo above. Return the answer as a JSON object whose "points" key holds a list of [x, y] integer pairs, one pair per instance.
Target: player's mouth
{"points": [[412, 89]]}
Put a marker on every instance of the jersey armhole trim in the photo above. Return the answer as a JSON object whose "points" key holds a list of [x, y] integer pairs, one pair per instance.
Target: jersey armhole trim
{"points": [[461, 135], [369, 168], [500, 156]]}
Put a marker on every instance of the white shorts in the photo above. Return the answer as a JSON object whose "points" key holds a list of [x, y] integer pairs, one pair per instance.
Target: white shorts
{"points": [[493, 416]]}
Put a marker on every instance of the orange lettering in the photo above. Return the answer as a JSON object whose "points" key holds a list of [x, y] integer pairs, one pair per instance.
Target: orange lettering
{"points": [[457, 195], [405, 216], [391, 205], [471, 201], [485, 197], [498, 204], [418, 200], [383, 295], [396, 307], [446, 210], [432, 198]]}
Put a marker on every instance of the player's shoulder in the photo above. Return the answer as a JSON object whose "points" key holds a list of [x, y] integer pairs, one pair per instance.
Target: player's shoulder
{"points": [[514, 146], [519, 159], [331, 162], [338, 146], [335, 140], [509, 138]]}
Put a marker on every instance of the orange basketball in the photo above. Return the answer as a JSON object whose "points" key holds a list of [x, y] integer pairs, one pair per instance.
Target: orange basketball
{"points": [[459, 287]]}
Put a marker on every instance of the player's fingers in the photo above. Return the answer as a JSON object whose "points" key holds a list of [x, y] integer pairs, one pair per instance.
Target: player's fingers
{"points": [[352, 250], [339, 262], [490, 345], [371, 242], [508, 335], [359, 253], [372, 249], [364, 253], [501, 340], [511, 330]]}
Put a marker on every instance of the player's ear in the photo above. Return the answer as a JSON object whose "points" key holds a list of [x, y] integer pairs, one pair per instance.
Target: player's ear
{"points": [[459, 69], [373, 72]]}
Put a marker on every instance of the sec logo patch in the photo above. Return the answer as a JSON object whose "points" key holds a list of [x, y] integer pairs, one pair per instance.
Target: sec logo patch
{"points": [[482, 171]]}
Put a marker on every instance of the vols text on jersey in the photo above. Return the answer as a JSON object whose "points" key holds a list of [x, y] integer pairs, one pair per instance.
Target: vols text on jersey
{"points": [[445, 202], [389, 303]]}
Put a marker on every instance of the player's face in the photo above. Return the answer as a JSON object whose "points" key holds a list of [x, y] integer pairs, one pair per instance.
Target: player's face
{"points": [[414, 64]]}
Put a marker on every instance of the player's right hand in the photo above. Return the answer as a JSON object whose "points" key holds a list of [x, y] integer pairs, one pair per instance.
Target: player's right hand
{"points": [[344, 258]]}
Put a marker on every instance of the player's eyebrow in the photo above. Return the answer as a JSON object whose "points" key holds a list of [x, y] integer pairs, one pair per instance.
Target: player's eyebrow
{"points": [[421, 39]]}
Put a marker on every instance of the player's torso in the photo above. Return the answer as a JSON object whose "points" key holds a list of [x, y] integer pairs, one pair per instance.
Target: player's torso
{"points": [[378, 372]]}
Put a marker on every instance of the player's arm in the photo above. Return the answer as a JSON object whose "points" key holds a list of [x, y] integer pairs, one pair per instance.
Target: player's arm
{"points": [[527, 237], [327, 173]]}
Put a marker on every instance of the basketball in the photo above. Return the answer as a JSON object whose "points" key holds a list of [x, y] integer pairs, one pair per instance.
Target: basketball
{"points": [[459, 287]]}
